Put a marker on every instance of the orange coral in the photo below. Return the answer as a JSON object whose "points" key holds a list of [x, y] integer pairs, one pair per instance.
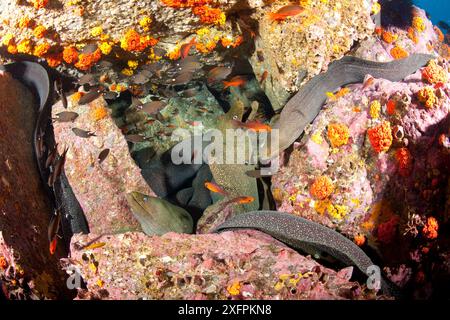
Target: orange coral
{"points": [[390, 107], [3, 263], [77, 96], [41, 49], [412, 35], [439, 33], [54, 60], [238, 41], [322, 188], [70, 55], [132, 41], [87, 60], [389, 37], [398, 52], [209, 15], [430, 230], [360, 239], [205, 48], [434, 73], [25, 22], [39, 4], [427, 96], [39, 31], [404, 160], [338, 134], [99, 112], [380, 137], [185, 3]]}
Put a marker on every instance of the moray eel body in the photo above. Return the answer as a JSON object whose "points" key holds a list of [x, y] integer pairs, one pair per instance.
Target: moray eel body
{"points": [[36, 78], [158, 216], [306, 236], [305, 105]]}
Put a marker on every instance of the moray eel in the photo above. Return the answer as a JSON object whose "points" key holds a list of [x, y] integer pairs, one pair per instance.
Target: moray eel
{"points": [[307, 236], [158, 216], [36, 78], [305, 105]]}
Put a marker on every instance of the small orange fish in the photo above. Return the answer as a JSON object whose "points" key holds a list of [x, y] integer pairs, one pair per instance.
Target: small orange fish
{"points": [[263, 77], [94, 246], [185, 48], [285, 12], [368, 83], [211, 186], [243, 200], [53, 244], [236, 81], [253, 125]]}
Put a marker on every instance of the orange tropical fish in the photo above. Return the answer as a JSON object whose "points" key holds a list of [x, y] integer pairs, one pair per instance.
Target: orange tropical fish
{"points": [[53, 244], [253, 125], [211, 186], [236, 81], [94, 246], [285, 12], [243, 200], [263, 77], [368, 83], [185, 48]]}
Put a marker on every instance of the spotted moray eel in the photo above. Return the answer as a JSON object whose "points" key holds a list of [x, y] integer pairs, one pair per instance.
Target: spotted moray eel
{"points": [[307, 236], [305, 105]]}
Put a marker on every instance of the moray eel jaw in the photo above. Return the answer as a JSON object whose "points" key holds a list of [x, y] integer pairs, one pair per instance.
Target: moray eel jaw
{"points": [[158, 216]]}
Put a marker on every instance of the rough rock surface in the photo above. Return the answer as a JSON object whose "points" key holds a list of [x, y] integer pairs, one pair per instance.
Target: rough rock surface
{"points": [[385, 196], [100, 188], [74, 20], [299, 48], [231, 265], [26, 267]]}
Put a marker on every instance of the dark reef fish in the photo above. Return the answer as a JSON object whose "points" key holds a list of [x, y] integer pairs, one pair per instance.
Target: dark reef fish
{"points": [[306, 236], [83, 133], [90, 96], [305, 105], [66, 116]]}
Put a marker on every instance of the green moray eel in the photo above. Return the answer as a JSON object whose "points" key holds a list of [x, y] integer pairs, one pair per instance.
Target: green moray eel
{"points": [[305, 105], [231, 176], [306, 236], [158, 216]]}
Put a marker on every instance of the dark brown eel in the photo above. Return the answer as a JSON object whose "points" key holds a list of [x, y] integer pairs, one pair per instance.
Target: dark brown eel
{"points": [[307, 236], [305, 105], [36, 78]]}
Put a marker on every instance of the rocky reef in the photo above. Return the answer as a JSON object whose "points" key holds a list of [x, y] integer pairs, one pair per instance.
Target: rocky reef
{"points": [[132, 81], [231, 265]]}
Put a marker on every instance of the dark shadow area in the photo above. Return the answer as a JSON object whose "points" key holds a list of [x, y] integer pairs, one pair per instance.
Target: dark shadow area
{"points": [[398, 13]]}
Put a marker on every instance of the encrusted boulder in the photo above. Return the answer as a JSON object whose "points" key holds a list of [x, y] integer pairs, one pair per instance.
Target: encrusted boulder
{"points": [[101, 188], [295, 50], [231, 265], [27, 269]]}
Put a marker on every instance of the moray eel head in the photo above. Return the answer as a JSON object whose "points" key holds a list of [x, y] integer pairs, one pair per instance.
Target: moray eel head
{"points": [[158, 216]]}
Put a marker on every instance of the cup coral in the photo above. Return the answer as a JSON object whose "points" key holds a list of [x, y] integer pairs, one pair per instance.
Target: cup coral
{"points": [[380, 137], [322, 187], [338, 134]]}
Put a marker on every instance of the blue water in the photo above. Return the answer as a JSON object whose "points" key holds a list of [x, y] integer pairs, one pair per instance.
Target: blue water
{"points": [[439, 10]]}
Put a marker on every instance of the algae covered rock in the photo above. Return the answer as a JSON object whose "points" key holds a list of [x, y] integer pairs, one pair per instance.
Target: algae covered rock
{"points": [[230, 265]]}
